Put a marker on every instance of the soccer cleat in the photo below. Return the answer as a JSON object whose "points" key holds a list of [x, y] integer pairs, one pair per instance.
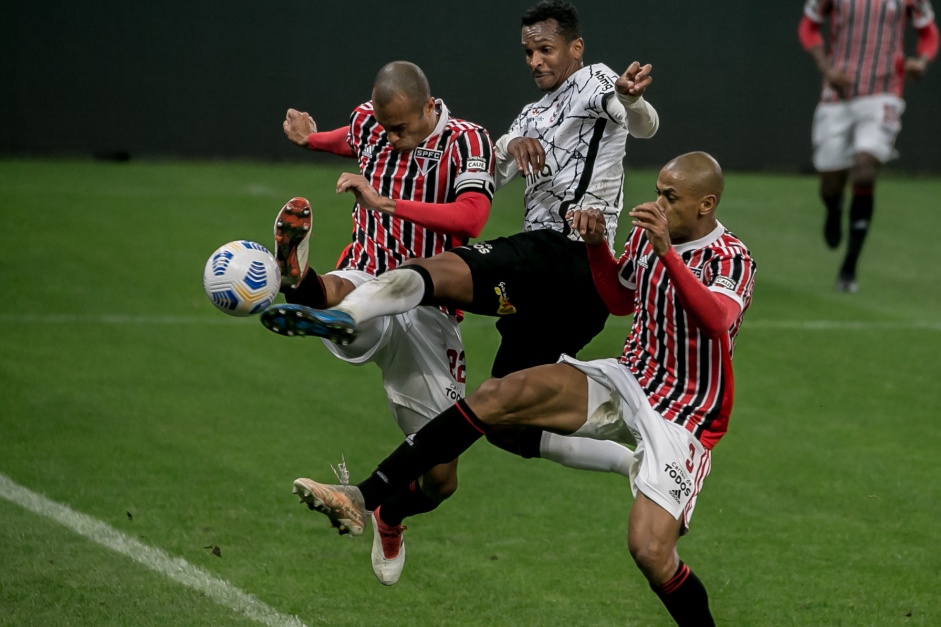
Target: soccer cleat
{"points": [[832, 233], [846, 284], [342, 504], [292, 230], [388, 550], [333, 324]]}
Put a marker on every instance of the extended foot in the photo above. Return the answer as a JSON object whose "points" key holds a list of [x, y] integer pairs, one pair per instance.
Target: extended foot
{"points": [[342, 504], [832, 231], [333, 324], [388, 550], [292, 230]]}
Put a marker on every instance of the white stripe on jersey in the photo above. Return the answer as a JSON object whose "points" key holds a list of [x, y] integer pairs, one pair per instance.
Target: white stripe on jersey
{"points": [[584, 151]]}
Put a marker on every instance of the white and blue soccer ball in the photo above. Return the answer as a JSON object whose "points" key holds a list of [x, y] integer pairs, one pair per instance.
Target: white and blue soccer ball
{"points": [[241, 278]]}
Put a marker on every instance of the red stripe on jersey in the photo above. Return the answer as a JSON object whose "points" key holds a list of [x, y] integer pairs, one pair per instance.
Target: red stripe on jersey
{"points": [[429, 174], [686, 375]]}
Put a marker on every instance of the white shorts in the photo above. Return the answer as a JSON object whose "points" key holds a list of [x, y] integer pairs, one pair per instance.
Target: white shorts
{"points": [[867, 124], [420, 354], [671, 463]]}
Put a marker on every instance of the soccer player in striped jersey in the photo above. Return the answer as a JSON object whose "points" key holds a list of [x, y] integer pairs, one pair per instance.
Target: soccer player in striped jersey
{"points": [[425, 186], [859, 115], [687, 281]]}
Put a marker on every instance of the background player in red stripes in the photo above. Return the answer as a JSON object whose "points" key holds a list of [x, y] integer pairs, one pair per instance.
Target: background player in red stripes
{"points": [[687, 281], [860, 111]]}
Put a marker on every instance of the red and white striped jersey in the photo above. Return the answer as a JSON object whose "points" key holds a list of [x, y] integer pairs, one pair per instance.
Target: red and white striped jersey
{"points": [[457, 157], [866, 41], [686, 376]]}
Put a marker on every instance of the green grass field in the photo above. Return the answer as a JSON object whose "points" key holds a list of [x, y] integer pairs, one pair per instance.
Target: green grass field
{"points": [[127, 397]]}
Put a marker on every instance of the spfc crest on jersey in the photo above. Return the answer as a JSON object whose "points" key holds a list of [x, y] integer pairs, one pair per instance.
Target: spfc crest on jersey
{"points": [[426, 159]]}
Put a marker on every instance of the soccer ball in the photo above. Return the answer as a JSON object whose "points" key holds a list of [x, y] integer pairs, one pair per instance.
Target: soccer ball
{"points": [[241, 278]]}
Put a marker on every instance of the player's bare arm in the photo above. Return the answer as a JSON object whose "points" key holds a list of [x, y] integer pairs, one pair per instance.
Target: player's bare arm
{"points": [[366, 196], [650, 217], [590, 224], [298, 125], [529, 154], [635, 80]]}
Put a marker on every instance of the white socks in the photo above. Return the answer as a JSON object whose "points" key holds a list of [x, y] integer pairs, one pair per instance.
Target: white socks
{"points": [[587, 454], [394, 292]]}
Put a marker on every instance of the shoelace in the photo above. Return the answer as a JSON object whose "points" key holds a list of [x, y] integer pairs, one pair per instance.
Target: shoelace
{"points": [[342, 474]]}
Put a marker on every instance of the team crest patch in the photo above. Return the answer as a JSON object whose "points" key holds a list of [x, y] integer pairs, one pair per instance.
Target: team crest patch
{"points": [[506, 307], [426, 159]]}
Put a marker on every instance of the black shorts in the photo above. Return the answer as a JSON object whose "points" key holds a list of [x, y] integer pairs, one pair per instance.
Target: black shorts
{"points": [[539, 284]]}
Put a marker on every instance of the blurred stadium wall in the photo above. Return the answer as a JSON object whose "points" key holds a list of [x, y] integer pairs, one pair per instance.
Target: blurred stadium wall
{"points": [[211, 79]]}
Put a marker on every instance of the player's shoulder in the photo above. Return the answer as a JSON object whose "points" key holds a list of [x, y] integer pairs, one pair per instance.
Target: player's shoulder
{"points": [[817, 10], [731, 245], [600, 75], [363, 111], [461, 131], [461, 125]]}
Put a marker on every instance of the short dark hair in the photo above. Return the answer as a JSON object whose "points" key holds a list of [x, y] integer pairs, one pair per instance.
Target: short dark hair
{"points": [[562, 12]]}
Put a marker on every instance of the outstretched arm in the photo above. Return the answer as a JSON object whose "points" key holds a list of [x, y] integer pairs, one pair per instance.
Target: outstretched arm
{"points": [[301, 129], [626, 105]]}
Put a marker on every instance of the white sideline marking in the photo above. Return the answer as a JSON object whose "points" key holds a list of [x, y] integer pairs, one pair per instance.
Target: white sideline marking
{"points": [[176, 568], [842, 325], [116, 319], [786, 325]]}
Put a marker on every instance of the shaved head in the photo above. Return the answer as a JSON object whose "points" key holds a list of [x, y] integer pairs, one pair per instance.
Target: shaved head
{"points": [[700, 172], [401, 79]]}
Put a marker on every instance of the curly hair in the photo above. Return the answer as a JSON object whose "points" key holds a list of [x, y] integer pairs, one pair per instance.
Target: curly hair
{"points": [[562, 12]]}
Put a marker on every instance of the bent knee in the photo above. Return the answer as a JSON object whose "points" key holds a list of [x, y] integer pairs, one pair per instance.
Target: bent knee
{"points": [[496, 400], [657, 560]]}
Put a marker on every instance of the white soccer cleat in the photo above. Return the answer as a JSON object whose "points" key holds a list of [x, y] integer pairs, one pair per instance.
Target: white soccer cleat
{"points": [[388, 550], [342, 504]]}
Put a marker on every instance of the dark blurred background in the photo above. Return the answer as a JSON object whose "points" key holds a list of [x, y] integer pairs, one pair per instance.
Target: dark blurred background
{"points": [[203, 79]]}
